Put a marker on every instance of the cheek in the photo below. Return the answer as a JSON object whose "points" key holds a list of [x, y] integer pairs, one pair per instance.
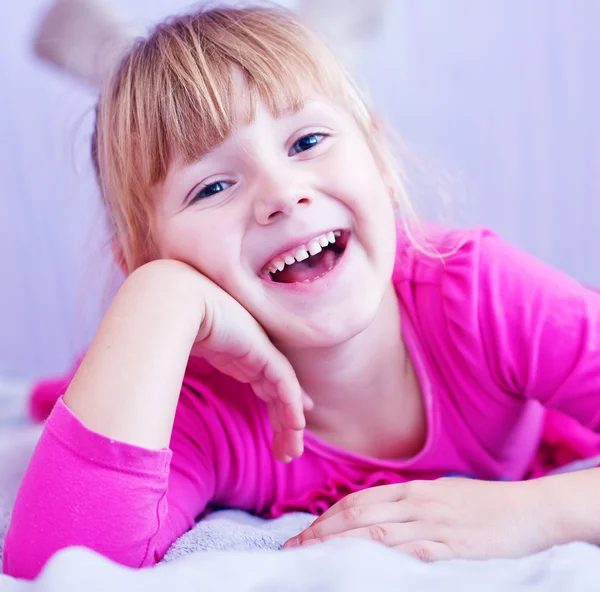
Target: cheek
{"points": [[366, 194], [369, 197], [179, 242], [358, 178], [198, 245]]}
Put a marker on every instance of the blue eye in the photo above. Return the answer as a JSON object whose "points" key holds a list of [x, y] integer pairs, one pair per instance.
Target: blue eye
{"points": [[211, 190], [306, 143]]}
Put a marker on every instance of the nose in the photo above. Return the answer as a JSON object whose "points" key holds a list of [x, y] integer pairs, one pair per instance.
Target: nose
{"points": [[278, 197]]}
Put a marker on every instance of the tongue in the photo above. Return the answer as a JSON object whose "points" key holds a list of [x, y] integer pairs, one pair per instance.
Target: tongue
{"points": [[307, 270]]}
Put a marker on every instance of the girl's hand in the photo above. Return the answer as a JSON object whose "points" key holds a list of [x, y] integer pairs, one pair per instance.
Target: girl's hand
{"points": [[232, 341], [443, 519]]}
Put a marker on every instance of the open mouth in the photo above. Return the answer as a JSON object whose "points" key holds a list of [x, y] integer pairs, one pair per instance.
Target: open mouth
{"points": [[307, 263]]}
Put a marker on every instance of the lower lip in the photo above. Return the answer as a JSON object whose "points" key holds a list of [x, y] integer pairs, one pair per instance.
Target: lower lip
{"points": [[322, 283]]}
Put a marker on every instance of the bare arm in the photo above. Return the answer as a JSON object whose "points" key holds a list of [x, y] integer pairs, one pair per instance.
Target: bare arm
{"points": [[128, 384], [572, 506], [102, 475]]}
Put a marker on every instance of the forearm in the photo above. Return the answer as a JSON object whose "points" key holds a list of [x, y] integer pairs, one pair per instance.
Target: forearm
{"points": [[128, 384], [571, 506], [79, 489]]}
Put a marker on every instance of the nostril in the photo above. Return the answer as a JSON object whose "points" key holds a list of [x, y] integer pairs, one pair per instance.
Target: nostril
{"points": [[287, 208]]}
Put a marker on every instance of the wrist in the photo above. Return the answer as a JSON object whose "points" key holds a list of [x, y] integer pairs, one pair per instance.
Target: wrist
{"points": [[175, 288], [569, 506]]}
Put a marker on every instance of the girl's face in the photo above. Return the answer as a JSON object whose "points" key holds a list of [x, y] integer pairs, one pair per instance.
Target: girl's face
{"points": [[291, 216]]}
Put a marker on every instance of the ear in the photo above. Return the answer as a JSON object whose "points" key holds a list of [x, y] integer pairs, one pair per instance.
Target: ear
{"points": [[118, 256]]}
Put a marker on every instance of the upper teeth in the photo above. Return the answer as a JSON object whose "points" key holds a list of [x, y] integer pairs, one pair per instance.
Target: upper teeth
{"points": [[301, 252]]}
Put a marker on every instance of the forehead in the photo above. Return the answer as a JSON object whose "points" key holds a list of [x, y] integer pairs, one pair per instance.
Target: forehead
{"points": [[249, 102], [312, 111], [246, 138], [246, 125], [200, 82], [234, 103]]}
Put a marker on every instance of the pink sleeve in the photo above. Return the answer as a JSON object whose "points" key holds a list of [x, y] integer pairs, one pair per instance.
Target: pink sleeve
{"points": [[125, 502], [539, 329]]}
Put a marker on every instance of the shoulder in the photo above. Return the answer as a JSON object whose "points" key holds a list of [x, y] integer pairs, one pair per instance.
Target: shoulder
{"points": [[466, 279], [483, 294], [479, 273], [450, 259]]}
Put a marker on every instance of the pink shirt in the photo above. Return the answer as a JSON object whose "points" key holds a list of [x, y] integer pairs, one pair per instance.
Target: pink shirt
{"points": [[494, 335]]}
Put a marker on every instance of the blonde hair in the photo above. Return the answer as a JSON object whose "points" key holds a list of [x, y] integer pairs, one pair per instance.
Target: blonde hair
{"points": [[172, 93]]}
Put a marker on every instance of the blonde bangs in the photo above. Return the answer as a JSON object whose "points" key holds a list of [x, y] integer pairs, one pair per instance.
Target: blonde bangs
{"points": [[205, 57], [177, 94]]}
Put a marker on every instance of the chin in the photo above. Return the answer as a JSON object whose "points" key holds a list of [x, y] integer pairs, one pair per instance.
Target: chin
{"points": [[329, 328]]}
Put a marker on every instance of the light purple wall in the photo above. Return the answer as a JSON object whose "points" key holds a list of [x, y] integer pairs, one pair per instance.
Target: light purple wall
{"points": [[47, 205], [505, 94]]}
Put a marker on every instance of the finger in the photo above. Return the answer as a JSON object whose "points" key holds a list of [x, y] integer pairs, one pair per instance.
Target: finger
{"points": [[293, 442], [293, 437], [287, 444], [274, 417], [371, 495], [279, 417], [283, 415], [292, 412], [281, 373], [426, 551], [292, 415], [307, 402], [278, 447], [389, 534], [284, 388], [357, 517]]}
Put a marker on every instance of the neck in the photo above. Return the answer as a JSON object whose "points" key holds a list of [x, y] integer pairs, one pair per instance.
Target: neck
{"points": [[362, 385]]}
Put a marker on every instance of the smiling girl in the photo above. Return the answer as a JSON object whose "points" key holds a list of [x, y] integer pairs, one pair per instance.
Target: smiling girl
{"points": [[287, 340]]}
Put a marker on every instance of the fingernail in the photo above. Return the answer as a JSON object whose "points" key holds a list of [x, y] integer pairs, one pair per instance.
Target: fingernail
{"points": [[310, 542], [291, 544]]}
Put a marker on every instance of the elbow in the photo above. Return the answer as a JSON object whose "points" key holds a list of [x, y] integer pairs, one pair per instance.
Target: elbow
{"points": [[19, 558], [26, 552]]}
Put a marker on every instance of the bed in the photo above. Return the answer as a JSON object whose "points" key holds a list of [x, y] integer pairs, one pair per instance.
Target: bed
{"points": [[234, 551]]}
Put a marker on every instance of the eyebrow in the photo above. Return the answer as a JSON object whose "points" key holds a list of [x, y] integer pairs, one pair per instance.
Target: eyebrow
{"points": [[310, 108]]}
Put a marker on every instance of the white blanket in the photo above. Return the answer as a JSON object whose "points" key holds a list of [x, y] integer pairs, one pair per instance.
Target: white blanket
{"points": [[340, 566], [234, 552]]}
